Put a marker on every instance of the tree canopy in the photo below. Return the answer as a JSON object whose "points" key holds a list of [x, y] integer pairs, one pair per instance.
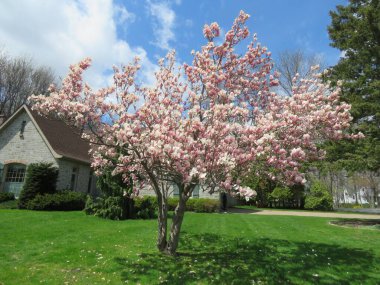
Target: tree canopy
{"points": [[355, 30], [204, 123], [19, 79]]}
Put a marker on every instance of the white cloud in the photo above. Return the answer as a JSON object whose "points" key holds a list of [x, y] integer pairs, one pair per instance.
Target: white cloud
{"points": [[58, 33], [123, 15], [163, 24]]}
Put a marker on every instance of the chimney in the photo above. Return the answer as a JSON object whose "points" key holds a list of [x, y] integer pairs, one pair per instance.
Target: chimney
{"points": [[2, 119]]}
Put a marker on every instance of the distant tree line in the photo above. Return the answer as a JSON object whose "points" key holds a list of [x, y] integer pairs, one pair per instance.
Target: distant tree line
{"points": [[20, 78]]}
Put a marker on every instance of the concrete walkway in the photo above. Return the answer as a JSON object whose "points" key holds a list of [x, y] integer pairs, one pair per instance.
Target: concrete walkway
{"points": [[304, 214]]}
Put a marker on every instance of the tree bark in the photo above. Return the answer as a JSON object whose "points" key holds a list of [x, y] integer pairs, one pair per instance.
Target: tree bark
{"points": [[162, 202], [175, 229], [162, 223]]}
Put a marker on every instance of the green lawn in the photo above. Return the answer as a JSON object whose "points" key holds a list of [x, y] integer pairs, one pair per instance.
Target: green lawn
{"points": [[72, 248]]}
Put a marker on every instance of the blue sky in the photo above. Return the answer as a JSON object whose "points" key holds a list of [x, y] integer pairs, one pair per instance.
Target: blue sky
{"points": [[60, 32], [280, 24]]}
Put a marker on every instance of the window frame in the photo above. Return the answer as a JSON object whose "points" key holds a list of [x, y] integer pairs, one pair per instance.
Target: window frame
{"points": [[15, 173]]}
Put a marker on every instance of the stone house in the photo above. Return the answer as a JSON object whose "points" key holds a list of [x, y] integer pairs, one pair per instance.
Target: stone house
{"points": [[27, 137]]}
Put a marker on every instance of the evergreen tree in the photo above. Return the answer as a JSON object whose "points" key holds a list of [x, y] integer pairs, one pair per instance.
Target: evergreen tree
{"points": [[41, 178], [355, 30]]}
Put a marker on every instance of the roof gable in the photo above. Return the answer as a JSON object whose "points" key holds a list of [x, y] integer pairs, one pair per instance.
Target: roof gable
{"points": [[62, 140]]}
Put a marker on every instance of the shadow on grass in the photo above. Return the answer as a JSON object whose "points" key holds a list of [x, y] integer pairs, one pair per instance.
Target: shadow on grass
{"points": [[235, 210], [214, 259]]}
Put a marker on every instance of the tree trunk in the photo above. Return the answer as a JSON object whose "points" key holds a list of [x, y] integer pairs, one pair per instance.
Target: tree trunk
{"points": [[162, 223], [176, 226], [376, 196]]}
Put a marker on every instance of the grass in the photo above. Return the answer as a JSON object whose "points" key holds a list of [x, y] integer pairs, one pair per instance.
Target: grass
{"points": [[72, 248]]}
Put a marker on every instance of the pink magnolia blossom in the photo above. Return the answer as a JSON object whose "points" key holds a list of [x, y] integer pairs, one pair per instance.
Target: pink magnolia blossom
{"points": [[207, 130], [225, 118]]}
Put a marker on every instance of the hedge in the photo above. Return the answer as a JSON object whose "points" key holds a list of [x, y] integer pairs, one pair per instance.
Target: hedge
{"points": [[198, 205], [145, 207], [111, 207], [60, 201], [6, 196], [354, 206], [119, 208]]}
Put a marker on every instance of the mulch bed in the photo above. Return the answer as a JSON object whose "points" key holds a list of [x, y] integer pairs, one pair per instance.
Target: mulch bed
{"points": [[356, 223]]}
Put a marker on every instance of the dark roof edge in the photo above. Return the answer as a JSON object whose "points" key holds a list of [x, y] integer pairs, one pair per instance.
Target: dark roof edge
{"points": [[55, 154]]}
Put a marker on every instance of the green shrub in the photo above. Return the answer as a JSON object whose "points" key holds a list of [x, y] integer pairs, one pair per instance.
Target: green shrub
{"points": [[152, 201], [12, 204], [172, 203], [92, 205], [6, 196], [111, 207], [319, 198], [202, 205], [113, 204], [41, 178], [60, 201], [354, 206], [145, 207], [281, 193], [121, 208], [112, 185], [190, 205], [199, 205]]}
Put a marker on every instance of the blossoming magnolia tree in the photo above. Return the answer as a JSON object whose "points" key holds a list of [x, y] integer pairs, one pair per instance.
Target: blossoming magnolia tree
{"points": [[205, 123]]}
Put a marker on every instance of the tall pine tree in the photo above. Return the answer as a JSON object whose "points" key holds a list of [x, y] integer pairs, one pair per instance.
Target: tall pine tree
{"points": [[355, 30]]}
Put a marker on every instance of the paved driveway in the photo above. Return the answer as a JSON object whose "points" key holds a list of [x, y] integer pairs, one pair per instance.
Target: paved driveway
{"points": [[305, 214]]}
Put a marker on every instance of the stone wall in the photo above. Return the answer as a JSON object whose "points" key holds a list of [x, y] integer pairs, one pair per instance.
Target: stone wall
{"points": [[66, 168], [25, 149]]}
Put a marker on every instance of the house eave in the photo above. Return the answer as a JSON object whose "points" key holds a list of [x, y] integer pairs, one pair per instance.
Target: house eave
{"points": [[15, 114], [55, 154]]}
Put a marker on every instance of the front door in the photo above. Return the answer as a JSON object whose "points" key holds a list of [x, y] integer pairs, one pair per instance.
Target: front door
{"points": [[14, 178]]}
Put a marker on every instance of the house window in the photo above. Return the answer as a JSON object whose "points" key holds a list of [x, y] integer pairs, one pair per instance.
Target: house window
{"points": [[74, 178], [15, 173]]}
